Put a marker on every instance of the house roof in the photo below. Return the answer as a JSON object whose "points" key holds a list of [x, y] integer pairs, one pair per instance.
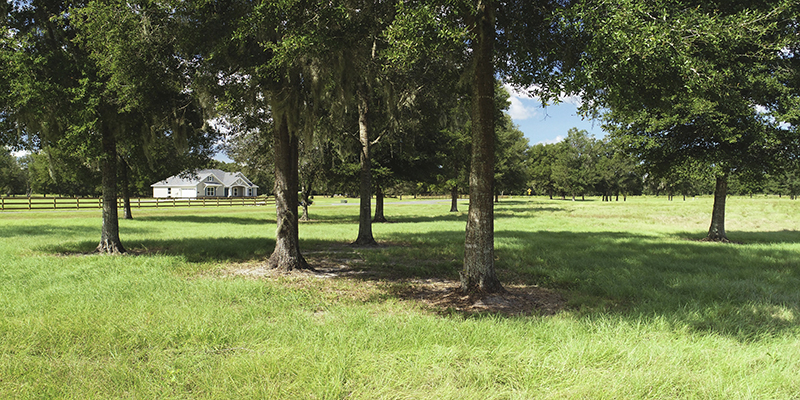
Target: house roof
{"points": [[192, 179]]}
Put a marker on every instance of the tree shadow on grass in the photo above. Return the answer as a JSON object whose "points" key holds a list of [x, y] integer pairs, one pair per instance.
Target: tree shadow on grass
{"points": [[737, 237], [196, 250], [740, 291], [207, 219], [21, 231]]}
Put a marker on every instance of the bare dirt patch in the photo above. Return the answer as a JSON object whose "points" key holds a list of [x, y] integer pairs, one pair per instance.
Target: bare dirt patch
{"points": [[445, 296], [438, 295]]}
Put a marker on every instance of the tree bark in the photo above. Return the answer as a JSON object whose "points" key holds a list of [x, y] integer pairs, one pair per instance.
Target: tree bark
{"points": [[365, 237], [478, 273], [379, 197], [454, 199], [109, 238], [126, 189], [716, 232], [286, 255]]}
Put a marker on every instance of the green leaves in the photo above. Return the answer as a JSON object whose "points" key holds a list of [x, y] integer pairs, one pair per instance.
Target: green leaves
{"points": [[693, 82]]}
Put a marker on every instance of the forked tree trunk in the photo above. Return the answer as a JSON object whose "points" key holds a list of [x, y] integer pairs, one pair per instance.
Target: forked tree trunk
{"points": [[478, 273], [716, 232], [379, 197], [454, 199], [365, 237], [286, 255], [109, 238], [126, 189]]}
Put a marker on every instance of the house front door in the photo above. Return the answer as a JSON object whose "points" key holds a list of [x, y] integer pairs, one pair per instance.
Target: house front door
{"points": [[227, 192]]}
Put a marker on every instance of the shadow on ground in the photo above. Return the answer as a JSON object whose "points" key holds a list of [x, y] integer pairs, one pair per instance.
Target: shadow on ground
{"points": [[207, 219], [742, 291], [20, 231]]}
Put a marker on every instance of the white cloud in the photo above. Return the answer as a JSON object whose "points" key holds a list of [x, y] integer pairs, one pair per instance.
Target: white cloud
{"points": [[20, 153], [519, 111], [554, 141]]}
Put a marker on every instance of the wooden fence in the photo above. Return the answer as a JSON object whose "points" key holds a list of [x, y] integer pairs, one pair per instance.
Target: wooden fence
{"points": [[79, 203]]}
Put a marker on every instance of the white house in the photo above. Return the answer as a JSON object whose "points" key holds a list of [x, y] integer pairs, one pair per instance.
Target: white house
{"points": [[205, 183]]}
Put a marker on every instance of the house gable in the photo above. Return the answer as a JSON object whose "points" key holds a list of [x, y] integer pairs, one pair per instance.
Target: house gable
{"points": [[200, 181]]}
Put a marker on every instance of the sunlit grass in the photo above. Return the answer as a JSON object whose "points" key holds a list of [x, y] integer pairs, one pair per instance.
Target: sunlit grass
{"points": [[654, 313]]}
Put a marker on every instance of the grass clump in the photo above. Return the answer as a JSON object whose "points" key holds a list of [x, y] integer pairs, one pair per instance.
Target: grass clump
{"points": [[653, 312]]}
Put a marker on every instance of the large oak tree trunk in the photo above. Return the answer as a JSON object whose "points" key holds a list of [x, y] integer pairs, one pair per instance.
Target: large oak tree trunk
{"points": [[365, 237], [109, 238], [379, 197], [717, 230], [126, 189], [478, 273], [286, 255], [454, 199]]}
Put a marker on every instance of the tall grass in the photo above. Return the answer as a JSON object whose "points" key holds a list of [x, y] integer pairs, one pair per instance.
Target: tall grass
{"points": [[654, 313]]}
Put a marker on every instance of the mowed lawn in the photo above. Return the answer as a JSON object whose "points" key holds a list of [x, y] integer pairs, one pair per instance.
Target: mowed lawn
{"points": [[652, 312]]}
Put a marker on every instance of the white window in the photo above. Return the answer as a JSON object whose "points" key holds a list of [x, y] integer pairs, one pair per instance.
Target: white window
{"points": [[249, 192], [169, 192], [211, 191], [210, 179]]}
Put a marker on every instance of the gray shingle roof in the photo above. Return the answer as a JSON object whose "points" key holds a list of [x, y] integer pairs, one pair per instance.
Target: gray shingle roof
{"points": [[226, 179]]}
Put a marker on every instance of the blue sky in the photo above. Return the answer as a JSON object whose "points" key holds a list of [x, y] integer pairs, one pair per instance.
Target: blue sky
{"points": [[550, 124]]}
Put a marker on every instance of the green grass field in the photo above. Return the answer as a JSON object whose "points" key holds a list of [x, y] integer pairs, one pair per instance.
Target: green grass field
{"points": [[651, 311]]}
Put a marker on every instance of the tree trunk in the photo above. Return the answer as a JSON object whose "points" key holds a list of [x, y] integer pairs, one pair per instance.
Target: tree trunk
{"points": [[478, 273], [286, 255], [365, 237], [304, 216], [109, 238], [306, 200], [126, 192], [379, 196], [716, 232], [454, 199]]}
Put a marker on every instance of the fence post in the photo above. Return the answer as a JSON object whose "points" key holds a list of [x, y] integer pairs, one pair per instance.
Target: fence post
{"points": [[54, 203], [29, 203]]}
